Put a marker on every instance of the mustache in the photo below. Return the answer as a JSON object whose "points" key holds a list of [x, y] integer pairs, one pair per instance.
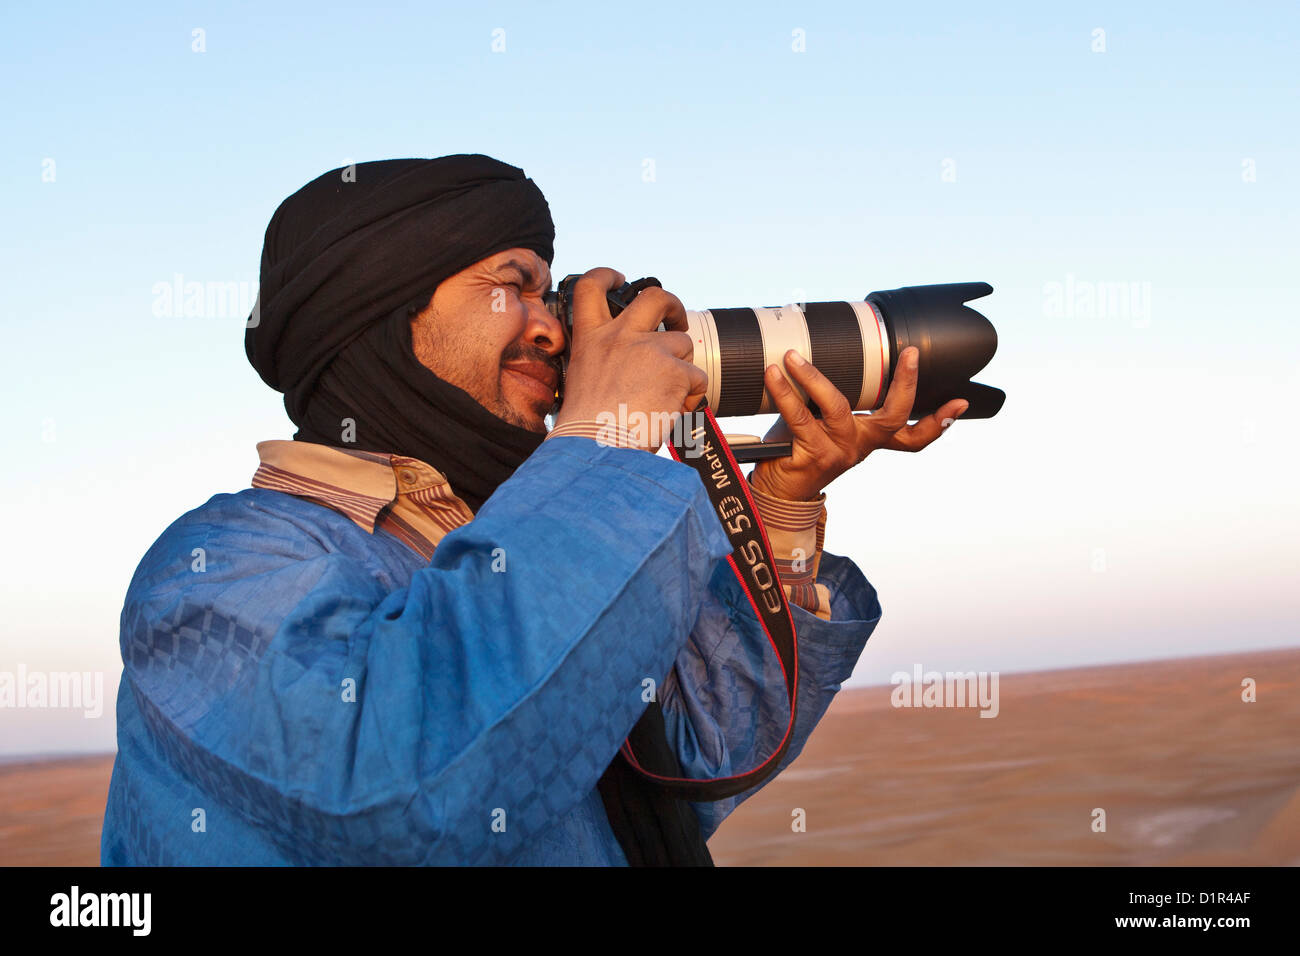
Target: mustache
{"points": [[531, 353]]}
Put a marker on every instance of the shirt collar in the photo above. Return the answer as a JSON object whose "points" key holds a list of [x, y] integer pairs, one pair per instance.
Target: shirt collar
{"points": [[360, 484]]}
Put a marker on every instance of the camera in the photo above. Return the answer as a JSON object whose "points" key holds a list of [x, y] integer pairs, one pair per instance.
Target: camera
{"points": [[854, 344]]}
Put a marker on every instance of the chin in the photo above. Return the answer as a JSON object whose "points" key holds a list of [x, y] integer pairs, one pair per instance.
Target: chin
{"points": [[524, 410], [531, 419]]}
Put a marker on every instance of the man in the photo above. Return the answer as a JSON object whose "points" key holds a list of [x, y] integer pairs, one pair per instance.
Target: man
{"points": [[423, 633]]}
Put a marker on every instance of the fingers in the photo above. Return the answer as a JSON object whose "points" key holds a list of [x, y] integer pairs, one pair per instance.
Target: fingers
{"points": [[698, 388], [894, 412], [792, 408], [949, 412], [590, 310], [837, 413], [679, 344], [929, 428], [652, 306]]}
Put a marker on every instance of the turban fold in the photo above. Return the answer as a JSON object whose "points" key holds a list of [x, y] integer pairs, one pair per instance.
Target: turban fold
{"points": [[345, 257]]}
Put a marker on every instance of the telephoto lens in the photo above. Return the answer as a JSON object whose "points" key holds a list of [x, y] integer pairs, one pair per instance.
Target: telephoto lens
{"points": [[854, 344]]}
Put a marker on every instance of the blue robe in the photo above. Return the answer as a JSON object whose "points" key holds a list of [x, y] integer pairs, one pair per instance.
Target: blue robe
{"points": [[301, 691]]}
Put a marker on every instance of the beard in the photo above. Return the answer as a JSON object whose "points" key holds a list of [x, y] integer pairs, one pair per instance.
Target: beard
{"points": [[438, 352], [507, 412]]}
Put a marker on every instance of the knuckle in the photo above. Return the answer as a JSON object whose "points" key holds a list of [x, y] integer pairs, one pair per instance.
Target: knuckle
{"points": [[654, 296], [600, 277]]}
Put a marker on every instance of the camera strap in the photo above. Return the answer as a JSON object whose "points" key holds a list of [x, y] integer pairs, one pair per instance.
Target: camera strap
{"points": [[751, 560]]}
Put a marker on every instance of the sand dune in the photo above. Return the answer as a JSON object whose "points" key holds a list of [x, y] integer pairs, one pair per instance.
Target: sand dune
{"points": [[1186, 772]]}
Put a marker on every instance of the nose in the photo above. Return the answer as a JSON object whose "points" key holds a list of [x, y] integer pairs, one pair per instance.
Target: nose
{"points": [[544, 330]]}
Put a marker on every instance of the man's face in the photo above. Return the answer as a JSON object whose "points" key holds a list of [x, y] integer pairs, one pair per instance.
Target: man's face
{"points": [[487, 331]]}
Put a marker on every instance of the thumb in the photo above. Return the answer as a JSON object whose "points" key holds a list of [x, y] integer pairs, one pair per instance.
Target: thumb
{"points": [[951, 412]]}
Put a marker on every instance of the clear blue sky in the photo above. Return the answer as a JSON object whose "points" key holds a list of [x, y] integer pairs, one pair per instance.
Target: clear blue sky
{"points": [[906, 144]]}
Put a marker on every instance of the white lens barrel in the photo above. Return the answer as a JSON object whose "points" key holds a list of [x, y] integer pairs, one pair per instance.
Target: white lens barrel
{"points": [[846, 341]]}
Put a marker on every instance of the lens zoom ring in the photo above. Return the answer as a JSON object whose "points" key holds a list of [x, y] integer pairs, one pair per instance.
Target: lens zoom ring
{"points": [[741, 343], [836, 342]]}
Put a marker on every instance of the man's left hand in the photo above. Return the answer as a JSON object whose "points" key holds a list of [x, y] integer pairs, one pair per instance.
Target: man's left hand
{"points": [[824, 448]]}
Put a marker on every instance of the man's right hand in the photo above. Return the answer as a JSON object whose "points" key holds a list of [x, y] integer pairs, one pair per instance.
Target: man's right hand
{"points": [[626, 361]]}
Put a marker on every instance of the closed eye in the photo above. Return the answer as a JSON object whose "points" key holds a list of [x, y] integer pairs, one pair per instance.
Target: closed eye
{"points": [[527, 280]]}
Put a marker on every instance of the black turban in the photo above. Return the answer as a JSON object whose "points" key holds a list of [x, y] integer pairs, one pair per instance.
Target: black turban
{"points": [[344, 258]]}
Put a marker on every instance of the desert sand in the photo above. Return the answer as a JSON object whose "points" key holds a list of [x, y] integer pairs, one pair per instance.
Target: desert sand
{"points": [[1185, 770]]}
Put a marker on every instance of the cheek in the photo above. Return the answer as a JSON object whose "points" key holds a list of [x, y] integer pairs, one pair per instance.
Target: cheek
{"points": [[504, 331], [486, 331], [470, 362]]}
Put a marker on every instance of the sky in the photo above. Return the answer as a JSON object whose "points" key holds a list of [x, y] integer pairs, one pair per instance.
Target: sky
{"points": [[1126, 177]]}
